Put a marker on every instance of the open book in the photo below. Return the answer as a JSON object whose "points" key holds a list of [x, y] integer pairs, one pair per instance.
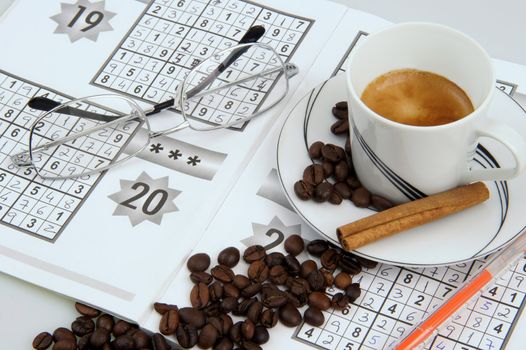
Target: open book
{"points": [[77, 238]]}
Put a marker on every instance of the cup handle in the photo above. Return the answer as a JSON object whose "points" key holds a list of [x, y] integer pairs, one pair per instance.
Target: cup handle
{"points": [[509, 138]]}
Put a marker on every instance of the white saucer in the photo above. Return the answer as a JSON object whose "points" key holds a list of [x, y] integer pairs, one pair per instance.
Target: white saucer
{"points": [[465, 236]]}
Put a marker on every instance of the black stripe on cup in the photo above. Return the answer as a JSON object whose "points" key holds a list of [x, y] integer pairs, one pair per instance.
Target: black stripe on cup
{"points": [[402, 185]]}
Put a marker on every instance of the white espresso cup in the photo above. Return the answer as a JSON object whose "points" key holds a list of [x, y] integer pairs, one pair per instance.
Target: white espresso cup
{"points": [[404, 162]]}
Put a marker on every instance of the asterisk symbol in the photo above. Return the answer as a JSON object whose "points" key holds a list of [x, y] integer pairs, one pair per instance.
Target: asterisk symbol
{"points": [[174, 154], [193, 160], [156, 148]]}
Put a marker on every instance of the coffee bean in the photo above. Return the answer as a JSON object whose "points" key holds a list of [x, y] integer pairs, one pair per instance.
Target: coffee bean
{"points": [[231, 291], [275, 258], [361, 197], [329, 277], [328, 169], [261, 335], [278, 275], [192, 316], [294, 245], [339, 301], [299, 287], [159, 342], [235, 332], [274, 298], [349, 264], [240, 282], [329, 259], [269, 318], [331, 153], [335, 198], [186, 335], [247, 329], [294, 300], [169, 322], [253, 253], [223, 273], [65, 345], [343, 189], [289, 315], [250, 345], [292, 265], [313, 174], [341, 171], [124, 342], [86, 310], [229, 257], [201, 277], [251, 290], [342, 280], [307, 267], [207, 337], [267, 288], [322, 192], [316, 280], [227, 323], [319, 300], [317, 247], [347, 147], [254, 311], [82, 326], [258, 271], [244, 306], [198, 262], [199, 296], [217, 322], [353, 292], [83, 343], [161, 308], [229, 304], [303, 190], [342, 105], [369, 264], [215, 291], [340, 127], [340, 113], [142, 340], [313, 316], [315, 150], [353, 182], [224, 344], [42, 341], [62, 333], [212, 310], [121, 327], [380, 203], [99, 337]]}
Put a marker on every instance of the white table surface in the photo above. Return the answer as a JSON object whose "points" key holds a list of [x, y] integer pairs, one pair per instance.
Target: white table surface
{"points": [[498, 25]]}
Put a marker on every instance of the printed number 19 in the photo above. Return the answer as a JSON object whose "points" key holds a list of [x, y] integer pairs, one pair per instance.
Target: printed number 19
{"points": [[92, 19]]}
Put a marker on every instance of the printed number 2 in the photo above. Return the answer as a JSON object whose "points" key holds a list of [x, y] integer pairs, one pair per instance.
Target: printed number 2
{"points": [[147, 203], [92, 19]]}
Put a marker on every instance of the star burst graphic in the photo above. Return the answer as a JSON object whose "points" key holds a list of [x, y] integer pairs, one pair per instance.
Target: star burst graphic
{"points": [[145, 199], [83, 19]]}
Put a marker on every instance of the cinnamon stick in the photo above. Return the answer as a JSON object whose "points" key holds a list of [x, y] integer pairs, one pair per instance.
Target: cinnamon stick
{"points": [[411, 214]]}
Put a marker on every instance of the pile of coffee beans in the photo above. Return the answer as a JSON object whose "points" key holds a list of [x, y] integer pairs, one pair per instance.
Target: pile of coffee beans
{"points": [[236, 310], [95, 330], [333, 162]]}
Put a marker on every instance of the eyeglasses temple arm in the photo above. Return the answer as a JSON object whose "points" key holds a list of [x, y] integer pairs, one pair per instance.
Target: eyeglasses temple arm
{"points": [[46, 104], [251, 36]]}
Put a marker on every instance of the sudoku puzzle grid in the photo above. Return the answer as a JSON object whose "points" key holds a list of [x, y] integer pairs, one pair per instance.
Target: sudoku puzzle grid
{"points": [[28, 203], [173, 36], [393, 298]]}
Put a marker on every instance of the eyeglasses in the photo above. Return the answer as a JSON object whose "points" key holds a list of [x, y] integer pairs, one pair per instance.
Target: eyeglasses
{"points": [[85, 136]]}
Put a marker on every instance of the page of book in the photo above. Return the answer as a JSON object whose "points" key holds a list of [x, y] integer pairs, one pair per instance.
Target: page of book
{"points": [[393, 298], [115, 239]]}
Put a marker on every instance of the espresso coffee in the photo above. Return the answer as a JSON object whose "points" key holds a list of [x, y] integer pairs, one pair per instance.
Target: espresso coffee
{"points": [[418, 98]]}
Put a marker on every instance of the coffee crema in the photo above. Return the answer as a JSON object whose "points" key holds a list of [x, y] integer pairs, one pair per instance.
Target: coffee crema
{"points": [[416, 97]]}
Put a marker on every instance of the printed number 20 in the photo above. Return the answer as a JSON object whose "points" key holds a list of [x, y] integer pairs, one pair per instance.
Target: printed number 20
{"points": [[147, 203]]}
